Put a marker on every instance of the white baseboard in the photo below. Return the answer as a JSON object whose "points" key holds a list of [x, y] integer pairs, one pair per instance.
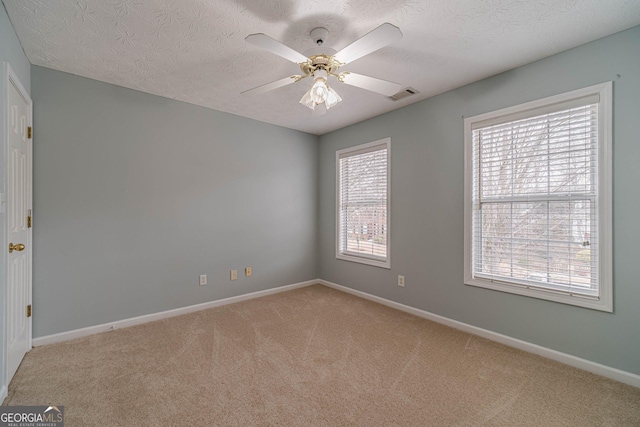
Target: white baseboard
{"points": [[577, 362], [90, 330]]}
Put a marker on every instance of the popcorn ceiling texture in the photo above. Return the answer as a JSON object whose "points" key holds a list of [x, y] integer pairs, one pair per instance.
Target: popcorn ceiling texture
{"points": [[194, 50], [311, 357]]}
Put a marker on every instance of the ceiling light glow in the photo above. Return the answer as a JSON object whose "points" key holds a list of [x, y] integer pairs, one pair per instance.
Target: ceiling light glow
{"points": [[320, 92]]}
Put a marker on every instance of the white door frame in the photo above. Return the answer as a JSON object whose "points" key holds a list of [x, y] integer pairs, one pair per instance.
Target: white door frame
{"points": [[10, 77]]}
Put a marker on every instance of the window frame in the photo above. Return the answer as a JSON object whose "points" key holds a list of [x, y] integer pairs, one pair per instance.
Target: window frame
{"points": [[351, 256], [604, 300]]}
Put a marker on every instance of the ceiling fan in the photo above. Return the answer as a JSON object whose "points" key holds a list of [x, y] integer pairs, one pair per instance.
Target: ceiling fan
{"points": [[320, 97]]}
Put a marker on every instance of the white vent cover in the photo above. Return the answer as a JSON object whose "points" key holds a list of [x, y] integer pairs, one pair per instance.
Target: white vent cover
{"points": [[408, 91]]}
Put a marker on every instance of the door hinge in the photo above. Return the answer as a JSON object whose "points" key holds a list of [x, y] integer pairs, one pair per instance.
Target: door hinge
{"points": [[29, 132], [29, 310], [29, 219]]}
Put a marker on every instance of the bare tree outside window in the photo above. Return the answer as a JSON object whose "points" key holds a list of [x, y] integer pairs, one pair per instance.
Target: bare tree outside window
{"points": [[538, 198], [363, 201], [535, 199]]}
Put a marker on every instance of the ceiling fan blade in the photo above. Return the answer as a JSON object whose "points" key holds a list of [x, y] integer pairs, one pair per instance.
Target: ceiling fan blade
{"points": [[266, 42], [380, 86], [382, 36], [271, 86]]}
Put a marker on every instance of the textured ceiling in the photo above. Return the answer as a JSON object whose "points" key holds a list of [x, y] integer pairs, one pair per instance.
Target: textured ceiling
{"points": [[194, 50]]}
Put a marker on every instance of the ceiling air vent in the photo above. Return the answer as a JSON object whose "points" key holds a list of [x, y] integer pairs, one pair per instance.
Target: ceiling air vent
{"points": [[408, 91]]}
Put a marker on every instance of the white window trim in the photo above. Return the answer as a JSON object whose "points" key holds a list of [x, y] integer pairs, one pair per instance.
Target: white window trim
{"points": [[363, 259], [605, 107]]}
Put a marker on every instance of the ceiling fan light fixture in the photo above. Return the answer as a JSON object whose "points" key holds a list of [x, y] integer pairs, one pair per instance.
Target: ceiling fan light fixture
{"points": [[320, 92], [321, 63]]}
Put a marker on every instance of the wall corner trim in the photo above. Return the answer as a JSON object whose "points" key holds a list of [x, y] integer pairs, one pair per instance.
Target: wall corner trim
{"points": [[3, 393], [567, 359], [111, 326]]}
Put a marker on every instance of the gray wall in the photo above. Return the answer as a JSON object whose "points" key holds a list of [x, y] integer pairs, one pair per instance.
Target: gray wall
{"points": [[136, 195], [10, 51], [427, 206]]}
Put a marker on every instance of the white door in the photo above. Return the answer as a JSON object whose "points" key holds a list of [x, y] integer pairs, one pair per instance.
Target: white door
{"points": [[18, 225]]}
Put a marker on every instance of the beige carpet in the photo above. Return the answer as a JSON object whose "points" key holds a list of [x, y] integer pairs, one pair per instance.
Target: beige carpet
{"points": [[312, 356]]}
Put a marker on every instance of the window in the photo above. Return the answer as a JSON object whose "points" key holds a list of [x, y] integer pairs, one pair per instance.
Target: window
{"points": [[363, 203], [538, 199]]}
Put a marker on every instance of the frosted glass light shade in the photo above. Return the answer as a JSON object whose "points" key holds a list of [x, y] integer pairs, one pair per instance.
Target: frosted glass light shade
{"points": [[332, 98], [320, 93], [307, 101]]}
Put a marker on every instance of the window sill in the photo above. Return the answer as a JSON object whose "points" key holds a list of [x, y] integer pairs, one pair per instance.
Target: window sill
{"points": [[361, 260], [603, 303]]}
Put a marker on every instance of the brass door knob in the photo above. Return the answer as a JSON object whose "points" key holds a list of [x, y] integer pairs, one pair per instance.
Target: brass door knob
{"points": [[19, 247]]}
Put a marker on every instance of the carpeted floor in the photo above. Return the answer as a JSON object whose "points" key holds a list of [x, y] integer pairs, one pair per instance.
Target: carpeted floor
{"points": [[311, 356]]}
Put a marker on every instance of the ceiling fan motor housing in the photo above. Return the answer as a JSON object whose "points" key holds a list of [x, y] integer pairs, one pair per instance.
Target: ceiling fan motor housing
{"points": [[323, 62]]}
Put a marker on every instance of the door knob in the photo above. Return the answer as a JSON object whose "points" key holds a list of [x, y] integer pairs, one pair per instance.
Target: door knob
{"points": [[19, 247]]}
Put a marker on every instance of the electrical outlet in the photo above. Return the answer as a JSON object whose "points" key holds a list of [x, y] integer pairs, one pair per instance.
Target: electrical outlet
{"points": [[401, 281], [203, 279], [247, 272], [234, 274]]}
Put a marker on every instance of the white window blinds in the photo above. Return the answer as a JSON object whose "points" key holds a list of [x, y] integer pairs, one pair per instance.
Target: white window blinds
{"points": [[535, 200], [363, 183]]}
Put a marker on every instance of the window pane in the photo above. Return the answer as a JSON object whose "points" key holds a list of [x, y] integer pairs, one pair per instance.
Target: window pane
{"points": [[365, 233], [363, 184], [535, 213]]}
